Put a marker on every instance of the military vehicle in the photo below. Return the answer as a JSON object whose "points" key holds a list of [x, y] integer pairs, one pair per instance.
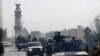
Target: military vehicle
{"points": [[74, 48], [21, 43]]}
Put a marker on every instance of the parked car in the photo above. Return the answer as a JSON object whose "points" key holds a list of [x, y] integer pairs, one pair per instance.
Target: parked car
{"points": [[34, 48]]}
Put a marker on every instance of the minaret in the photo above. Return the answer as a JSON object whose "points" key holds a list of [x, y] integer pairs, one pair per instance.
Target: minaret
{"points": [[18, 26], [0, 14]]}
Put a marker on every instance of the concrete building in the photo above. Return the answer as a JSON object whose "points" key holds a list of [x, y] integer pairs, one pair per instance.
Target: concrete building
{"points": [[50, 34], [78, 33], [18, 26], [35, 33]]}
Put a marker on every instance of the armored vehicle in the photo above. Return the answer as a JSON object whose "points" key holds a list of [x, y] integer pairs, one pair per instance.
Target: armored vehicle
{"points": [[21, 43]]}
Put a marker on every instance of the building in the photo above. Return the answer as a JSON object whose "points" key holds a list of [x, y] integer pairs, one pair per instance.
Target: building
{"points": [[50, 34], [18, 26], [78, 33], [35, 33]]}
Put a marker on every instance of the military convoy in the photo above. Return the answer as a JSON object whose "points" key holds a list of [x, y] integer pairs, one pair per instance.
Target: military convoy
{"points": [[53, 47]]}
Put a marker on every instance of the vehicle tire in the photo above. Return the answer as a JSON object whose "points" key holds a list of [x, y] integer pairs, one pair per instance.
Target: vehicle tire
{"points": [[42, 54], [18, 49], [28, 54]]}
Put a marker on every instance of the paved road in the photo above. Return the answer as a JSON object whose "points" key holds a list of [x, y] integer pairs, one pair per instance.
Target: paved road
{"points": [[12, 51]]}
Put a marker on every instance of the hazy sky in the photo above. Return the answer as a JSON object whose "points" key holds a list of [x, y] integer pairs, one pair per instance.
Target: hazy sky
{"points": [[50, 15], [0, 15]]}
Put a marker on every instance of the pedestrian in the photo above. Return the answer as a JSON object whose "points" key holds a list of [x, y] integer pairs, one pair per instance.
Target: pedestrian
{"points": [[48, 50]]}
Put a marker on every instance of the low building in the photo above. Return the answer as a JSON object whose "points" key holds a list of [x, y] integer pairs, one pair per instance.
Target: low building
{"points": [[78, 33]]}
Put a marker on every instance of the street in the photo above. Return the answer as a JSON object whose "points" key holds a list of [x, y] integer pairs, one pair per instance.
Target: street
{"points": [[12, 51]]}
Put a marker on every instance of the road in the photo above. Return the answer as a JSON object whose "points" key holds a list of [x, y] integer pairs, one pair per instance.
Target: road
{"points": [[12, 51]]}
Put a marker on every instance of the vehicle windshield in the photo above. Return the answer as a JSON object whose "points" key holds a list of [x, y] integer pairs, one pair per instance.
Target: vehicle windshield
{"points": [[35, 44]]}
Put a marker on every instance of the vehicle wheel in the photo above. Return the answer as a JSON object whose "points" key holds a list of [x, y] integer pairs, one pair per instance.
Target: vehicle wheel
{"points": [[28, 55], [18, 49], [41, 54]]}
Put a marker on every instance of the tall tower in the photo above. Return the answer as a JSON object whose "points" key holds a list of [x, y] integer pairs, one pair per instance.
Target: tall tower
{"points": [[0, 13], [18, 26]]}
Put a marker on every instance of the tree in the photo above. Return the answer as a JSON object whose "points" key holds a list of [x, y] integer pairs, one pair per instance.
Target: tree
{"points": [[43, 41]]}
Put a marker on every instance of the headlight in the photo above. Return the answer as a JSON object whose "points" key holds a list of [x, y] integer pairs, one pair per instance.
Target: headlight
{"points": [[30, 49]]}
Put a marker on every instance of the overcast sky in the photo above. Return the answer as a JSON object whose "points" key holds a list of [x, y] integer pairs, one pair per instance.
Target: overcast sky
{"points": [[50, 15], [0, 15]]}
